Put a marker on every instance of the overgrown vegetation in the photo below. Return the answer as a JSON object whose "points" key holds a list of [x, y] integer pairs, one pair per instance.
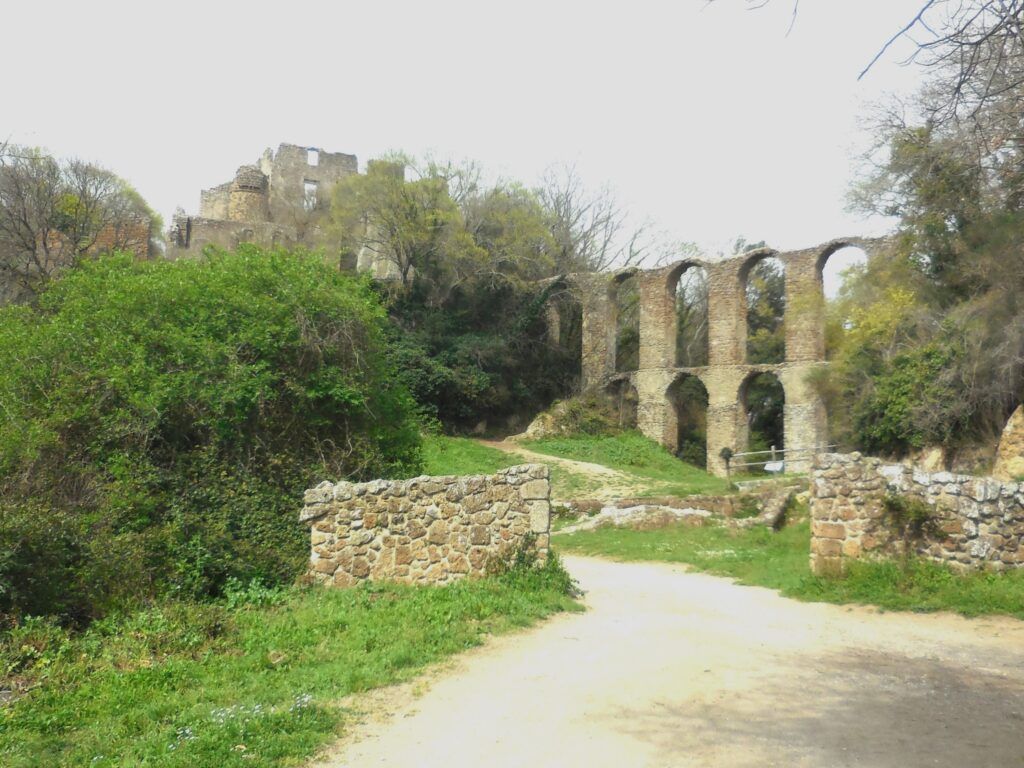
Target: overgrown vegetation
{"points": [[461, 456], [162, 418], [187, 684], [761, 557], [636, 455]]}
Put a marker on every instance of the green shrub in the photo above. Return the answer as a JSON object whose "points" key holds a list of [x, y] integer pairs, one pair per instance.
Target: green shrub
{"points": [[161, 420]]}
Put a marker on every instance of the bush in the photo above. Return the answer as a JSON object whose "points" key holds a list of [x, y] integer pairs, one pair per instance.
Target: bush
{"points": [[161, 420]]}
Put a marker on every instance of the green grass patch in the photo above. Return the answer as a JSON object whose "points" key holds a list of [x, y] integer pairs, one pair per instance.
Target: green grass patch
{"points": [[764, 558], [444, 455], [255, 685], [657, 471]]}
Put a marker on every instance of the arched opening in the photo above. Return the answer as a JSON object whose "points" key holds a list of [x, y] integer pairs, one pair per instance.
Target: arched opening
{"points": [[625, 301], [836, 271], [565, 332], [763, 401], [688, 398], [691, 317], [624, 399], [764, 288]]}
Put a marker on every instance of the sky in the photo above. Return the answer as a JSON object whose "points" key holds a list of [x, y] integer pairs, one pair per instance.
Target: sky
{"points": [[709, 120]]}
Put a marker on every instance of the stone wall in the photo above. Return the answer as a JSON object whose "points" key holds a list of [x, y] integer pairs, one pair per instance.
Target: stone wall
{"points": [[428, 530], [974, 523], [728, 371], [266, 203]]}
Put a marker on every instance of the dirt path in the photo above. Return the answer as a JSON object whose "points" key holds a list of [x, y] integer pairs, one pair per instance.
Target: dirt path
{"points": [[669, 668], [610, 484]]}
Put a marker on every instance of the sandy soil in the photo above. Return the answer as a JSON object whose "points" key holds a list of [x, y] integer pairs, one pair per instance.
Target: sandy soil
{"points": [[670, 668]]}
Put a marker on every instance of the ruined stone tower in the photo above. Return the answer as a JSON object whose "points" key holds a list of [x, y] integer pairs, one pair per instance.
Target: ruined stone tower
{"points": [[279, 201]]}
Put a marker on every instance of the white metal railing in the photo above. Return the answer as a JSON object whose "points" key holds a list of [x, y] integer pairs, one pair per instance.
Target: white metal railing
{"points": [[774, 459]]}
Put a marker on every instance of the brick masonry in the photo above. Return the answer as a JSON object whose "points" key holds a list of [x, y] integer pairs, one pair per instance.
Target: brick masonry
{"points": [[977, 523], [726, 375], [427, 530]]}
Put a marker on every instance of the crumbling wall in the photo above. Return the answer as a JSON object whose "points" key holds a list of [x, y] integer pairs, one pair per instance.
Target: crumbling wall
{"points": [[266, 203], [428, 530], [970, 523], [728, 369]]}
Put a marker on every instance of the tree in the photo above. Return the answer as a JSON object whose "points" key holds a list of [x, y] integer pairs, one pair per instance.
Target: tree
{"points": [[413, 225], [591, 229], [54, 212]]}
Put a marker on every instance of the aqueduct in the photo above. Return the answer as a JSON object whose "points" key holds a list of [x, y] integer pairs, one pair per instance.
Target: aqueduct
{"points": [[652, 386]]}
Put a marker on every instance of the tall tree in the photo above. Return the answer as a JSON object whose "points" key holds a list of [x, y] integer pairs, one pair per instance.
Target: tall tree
{"points": [[53, 212]]}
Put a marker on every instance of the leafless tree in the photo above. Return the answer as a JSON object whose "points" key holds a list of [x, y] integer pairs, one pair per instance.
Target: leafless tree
{"points": [[592, 231], [52, 213]]}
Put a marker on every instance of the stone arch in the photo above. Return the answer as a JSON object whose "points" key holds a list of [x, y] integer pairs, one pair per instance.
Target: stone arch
{"points": [[762, 411], [625, 400], [687, 329], [564, 317], [837, 256], [624, 319], [686, 433], [762, 284]]}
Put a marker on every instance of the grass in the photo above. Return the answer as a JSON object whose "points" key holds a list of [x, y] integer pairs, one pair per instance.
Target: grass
{"points": [[254, 685], [461, 456], [761, 557], [656, 471]]}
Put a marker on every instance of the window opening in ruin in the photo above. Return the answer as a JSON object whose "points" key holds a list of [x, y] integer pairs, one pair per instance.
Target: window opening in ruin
{"points": [[626, 309], [764, 288], [764, 402], [309, 189], [313, 157], [688, 399], [624, 399], [691, 318]]}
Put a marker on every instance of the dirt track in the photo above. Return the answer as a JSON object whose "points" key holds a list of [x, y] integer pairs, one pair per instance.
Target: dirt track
{"points": [[669, 668]]}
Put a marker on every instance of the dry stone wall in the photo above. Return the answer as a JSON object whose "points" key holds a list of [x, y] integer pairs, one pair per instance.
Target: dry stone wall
{"points": [[427, 530], [974, 523]]}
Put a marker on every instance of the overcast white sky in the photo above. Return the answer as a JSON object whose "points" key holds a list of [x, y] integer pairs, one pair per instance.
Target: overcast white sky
{"points": [[710, 120]]}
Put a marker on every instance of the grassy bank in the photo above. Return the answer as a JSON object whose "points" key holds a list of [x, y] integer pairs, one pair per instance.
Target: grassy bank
{"points": [[656, 471], [444, 455], [251, 681], [780, 561]]}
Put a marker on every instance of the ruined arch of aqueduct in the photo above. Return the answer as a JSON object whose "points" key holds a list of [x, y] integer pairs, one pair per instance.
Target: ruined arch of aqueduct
{"points": [[727, 371]]}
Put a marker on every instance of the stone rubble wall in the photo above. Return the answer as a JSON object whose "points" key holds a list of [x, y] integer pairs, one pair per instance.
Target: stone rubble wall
{"points": [[977, 524], [427, 530]]}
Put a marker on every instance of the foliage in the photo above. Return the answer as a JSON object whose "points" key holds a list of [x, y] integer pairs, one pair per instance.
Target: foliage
{"points": [[462, 456], [765, 400], [637, 456], [162, 418], [193, 684], [589, 413], [762, 557], [54, 212], [766, 306], [692, 318], [690, 400], [929, 337], [469, 332], [627, 324]]}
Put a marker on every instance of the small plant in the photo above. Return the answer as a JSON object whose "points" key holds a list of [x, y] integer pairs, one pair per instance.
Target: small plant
{"points": [[749, 507], [912, 517], [238, 594]]}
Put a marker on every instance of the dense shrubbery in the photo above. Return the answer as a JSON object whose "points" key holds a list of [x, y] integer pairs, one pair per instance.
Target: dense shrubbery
{"points": [[161, 419]]}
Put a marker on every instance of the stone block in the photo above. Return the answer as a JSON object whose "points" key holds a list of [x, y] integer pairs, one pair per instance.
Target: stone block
{"points": [[535, 489]]}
